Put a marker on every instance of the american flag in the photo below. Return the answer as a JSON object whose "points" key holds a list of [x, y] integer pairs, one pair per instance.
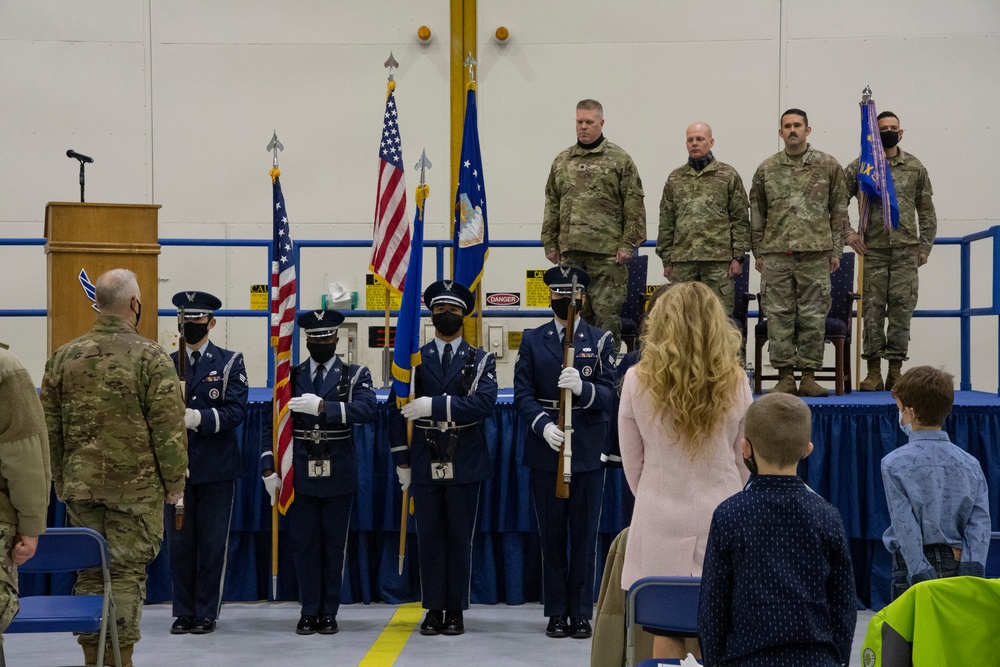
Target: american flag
{"points": [[283, 288], [391, 240]]}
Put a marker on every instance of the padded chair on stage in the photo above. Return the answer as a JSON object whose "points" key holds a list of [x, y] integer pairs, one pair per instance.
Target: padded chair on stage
{"points": [[839, 322], [741, 301], [664, 603], [69, 550], [635, 301]]}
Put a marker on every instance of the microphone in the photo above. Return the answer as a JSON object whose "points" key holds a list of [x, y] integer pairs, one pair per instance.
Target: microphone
{"points": [[82, 158]]}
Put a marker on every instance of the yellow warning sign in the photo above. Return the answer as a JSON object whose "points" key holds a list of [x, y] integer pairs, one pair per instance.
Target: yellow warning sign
{"points": [[536, 292], [375, 295], [514, 340], [259, 298]]}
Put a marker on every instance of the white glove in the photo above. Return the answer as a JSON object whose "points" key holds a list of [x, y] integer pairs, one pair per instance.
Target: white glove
{"points": [[553, 436], [404, 477], [418, 408], [307, 403], [570, 379], [272, 483], [192, 419]]}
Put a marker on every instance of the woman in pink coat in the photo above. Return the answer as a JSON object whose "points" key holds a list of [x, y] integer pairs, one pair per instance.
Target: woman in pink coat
{"points": [[680, 424]]}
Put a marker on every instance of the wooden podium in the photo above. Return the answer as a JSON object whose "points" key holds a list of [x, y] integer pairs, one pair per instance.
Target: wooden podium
{"points": [[94, 238]]}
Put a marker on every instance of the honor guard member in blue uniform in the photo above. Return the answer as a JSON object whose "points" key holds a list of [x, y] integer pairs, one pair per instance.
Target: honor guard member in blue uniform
{"points": [[328, 397], [216, 386], [455, 389], [567, 583]]}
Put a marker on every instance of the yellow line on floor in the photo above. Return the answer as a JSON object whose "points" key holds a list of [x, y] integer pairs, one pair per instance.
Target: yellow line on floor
{"points": [[389, 644]]}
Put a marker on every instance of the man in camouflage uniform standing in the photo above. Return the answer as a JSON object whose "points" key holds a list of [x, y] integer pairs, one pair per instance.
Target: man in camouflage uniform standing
{"points": [[892, 257], [594, 216], [116, 434], [798, 217], [24, 477], [704, 220]]}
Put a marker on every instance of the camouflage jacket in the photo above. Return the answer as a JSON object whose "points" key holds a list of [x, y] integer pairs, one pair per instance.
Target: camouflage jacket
{"points": [[24, 450], [913, 193], [798, 205], [593, 201], [703, 215], [115, 416]]}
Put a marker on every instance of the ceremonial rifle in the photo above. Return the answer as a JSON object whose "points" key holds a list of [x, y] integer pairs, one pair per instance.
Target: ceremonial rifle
{"points": [[565, 470], [182, 359]]}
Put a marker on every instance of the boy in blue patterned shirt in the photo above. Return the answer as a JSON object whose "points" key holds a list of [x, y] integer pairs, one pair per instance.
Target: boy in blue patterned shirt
{"points": [[777, 587], [937, 495]]}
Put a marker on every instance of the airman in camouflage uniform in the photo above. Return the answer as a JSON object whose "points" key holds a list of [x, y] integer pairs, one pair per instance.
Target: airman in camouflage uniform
{"points": [[704, 221], [892, 257], [595, 216], [24, 477], [798, 217], [116, 433]]}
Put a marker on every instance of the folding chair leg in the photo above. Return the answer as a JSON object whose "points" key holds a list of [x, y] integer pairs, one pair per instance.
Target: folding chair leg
{"points": [[3, 660], [758, 358]]}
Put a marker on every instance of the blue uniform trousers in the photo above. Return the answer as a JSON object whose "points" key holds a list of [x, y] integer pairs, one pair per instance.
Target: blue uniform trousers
{"points": [[318, 531], [568, 576], [198, 550], [446, 522]]}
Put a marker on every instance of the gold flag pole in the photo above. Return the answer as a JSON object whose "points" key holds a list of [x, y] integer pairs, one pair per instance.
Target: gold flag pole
{"points": [[274, 146]]}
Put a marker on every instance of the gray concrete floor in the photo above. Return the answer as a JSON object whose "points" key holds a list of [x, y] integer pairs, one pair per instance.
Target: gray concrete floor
{"points": [[263, 634]]}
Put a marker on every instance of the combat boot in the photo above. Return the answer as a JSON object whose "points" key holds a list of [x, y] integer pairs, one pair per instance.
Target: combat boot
{"points": [[786, 382], [895, 372], [874, 380], [809, 387], [89, 654]]}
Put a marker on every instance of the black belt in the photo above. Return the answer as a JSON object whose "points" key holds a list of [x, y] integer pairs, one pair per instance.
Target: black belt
{"points": [[319, 435], [440, 426]]}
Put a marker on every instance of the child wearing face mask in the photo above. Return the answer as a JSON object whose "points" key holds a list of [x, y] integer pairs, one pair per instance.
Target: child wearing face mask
{"points": [[777, 585], [936, 492]]}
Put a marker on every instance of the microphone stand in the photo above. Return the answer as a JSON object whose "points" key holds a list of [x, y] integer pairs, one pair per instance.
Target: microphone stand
{"points": [[81, 180]]}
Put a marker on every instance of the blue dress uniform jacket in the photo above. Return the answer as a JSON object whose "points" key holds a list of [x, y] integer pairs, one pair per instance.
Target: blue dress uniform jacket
{"points": [[568, 575], [320, 514], [347, 401], [447, 509], [463, 396], [536, 394], [217, 389]]}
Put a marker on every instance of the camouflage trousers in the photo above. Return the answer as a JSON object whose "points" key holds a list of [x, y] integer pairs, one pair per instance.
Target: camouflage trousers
{"points": [[796, 299], [889, 290], [606, 292], [713, 274], [133, 532], [8, 577]]}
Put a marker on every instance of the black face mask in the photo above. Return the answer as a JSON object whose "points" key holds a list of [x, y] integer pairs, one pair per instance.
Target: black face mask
{"points": [[447, 323], [751, 462], [194, 332], [560, 307], [138, 313], [889, 139], [321, 352]]}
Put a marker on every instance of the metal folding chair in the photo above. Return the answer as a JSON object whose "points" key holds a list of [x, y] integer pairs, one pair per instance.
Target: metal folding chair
{"points": [[664, 603], [69, 550], [993, 557]]}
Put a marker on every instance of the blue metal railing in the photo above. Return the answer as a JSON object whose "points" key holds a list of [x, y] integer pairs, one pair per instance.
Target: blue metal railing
{"points": [[965, 312]]}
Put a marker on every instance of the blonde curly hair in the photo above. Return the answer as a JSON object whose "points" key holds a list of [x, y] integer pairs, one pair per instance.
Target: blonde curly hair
{"points": [[690, 361]]}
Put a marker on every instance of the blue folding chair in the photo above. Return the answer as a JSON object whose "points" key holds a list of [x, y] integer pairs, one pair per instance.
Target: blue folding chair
{"points": [[664, 603], [69, 550]]}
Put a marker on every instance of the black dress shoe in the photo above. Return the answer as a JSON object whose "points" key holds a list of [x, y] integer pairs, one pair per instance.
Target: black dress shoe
{"points": [[203, 625], [557, 627], [579, 628], [433, 623], [453, 623], [182, 625], [328, 624], [308, 625]]}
